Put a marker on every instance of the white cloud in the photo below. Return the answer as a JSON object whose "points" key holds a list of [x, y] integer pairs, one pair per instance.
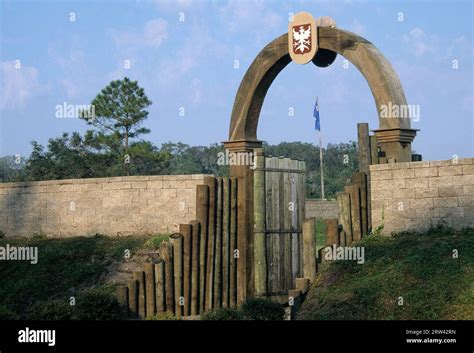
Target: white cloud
{"points": [[199, 45], [70, 57], [357, 28], [154, 33], [419, 41], [172, 5], [238, 14], [18, 85]]}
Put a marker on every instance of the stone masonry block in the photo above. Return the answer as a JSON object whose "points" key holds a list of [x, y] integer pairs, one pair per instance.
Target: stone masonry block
{"points": [[117, 185], [404, 193], [418, 165], [440, 163], [451, 170], [387, 184], [463, 179], [468, 190], [155, 184], [426, 172], [468, 169], [403, 173], [450, 191], [451, 212], [382, 175], [174, 184], [377, 167], [139, 184], [168, 193], [422, 203], [426, 212], [436, 182], [466, 161], [422, 193], [466, 201], [416, 183], [441, 202]]}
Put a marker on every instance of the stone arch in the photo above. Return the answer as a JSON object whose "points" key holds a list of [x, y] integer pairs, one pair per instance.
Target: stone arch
{"points": [[394, 134]]}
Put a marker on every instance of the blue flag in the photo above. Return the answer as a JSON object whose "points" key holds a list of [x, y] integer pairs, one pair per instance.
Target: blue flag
{"points": [[317, 123]]}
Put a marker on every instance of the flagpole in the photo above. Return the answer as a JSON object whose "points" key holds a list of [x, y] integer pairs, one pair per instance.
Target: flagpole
{"points": [[321, 164]]}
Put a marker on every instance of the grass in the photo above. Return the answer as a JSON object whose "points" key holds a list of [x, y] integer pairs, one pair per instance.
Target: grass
{"points": [[65, 268], [419, 267], [320, 234]]}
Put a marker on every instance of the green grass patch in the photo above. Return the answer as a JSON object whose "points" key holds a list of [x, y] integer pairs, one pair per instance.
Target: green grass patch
{"points": [[65, 268], [320, 228], [419, 267]]}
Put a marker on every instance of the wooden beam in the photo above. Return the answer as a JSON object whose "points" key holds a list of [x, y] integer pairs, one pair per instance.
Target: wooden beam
{"points": [[259, 224], [309, 249]]}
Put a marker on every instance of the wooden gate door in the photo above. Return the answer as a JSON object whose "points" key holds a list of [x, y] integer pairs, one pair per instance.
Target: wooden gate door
{"points": [[284, 199]]}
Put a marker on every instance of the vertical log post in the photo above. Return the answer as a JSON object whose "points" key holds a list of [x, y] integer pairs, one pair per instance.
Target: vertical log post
{"points": [[211, 182], [149, 269], [353, 190], [344, 202], [139, 276], [374, 155], [202, 214], [360, 180], [186, 232], [166, 253], [233, 242], [225, 241], [160, 293], [176, 240], [218, 248], [332, 232], [122, 298], [309, 249], [133, 296], [365, 161], [260, 261], [196, 229]]}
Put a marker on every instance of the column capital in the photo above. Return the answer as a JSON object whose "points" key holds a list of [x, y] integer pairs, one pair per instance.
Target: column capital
{"points": [[395, 135], [242, 145]]}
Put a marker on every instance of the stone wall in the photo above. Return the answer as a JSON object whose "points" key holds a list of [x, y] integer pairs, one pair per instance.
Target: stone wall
{"points": [[111, 206], [417, 195], [323, 209]]}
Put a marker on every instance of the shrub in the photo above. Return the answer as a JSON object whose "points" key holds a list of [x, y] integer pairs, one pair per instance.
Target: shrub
{"points": [[7, 314], [2, 234], [155, 241], [222, 314], [97, 304], [262, 309], [51, 310]]}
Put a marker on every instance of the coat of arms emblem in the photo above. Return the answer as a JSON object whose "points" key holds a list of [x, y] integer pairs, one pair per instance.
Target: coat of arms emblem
{"points": [[302, 39]]}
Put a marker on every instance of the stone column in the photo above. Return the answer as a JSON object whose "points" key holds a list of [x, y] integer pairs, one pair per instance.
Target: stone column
{"points": [[396, 143], [244, 174]]}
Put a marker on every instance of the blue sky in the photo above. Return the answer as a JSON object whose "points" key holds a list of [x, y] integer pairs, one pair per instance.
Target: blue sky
{"points": [[190, 64]]}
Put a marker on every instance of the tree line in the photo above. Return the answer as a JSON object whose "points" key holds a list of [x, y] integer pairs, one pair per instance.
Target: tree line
{"points": [[114, 146]]}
